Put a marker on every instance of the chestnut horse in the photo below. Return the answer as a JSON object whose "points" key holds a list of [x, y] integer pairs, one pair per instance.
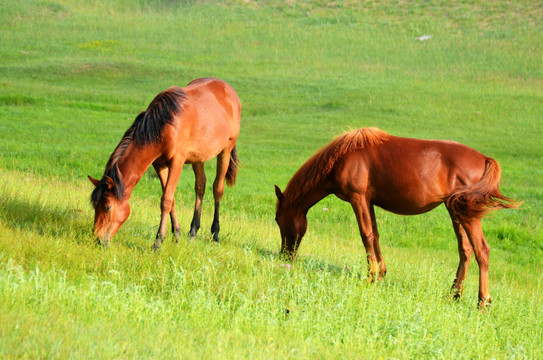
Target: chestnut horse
{"points": [[189, 125], [369, 167]]}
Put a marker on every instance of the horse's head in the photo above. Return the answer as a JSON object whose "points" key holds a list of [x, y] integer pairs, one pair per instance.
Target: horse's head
{"points": [[292, 225], [111, 208]]}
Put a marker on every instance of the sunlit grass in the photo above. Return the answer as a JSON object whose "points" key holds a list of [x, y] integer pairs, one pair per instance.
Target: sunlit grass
{"points": [[235, 293]]}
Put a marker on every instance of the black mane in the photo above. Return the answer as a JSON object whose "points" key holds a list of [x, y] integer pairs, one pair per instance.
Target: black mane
{"points": [[146, 129], [101, 190], [149, 124]]}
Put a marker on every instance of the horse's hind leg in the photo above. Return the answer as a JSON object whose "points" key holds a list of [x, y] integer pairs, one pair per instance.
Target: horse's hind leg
{"points": [[162, 173], [464, 251], [362, 211], [223, 161], [481, 249], [199, 189]]}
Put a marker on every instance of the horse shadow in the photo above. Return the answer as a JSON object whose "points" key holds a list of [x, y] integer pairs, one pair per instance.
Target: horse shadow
{"points": [[54, 221], [57, 221], [309, 264]]}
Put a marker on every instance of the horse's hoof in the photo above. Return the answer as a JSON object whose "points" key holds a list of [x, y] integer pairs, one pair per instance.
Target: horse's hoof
{"points": [[177, 235], [485, 303], [158, 242], [155, 247], [102, 243], [456, 294]]}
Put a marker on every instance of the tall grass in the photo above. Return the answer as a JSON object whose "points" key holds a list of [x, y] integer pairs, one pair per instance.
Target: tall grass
{"points": [[75, 74]]}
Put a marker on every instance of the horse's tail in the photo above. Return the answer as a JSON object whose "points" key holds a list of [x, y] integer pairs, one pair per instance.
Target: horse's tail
{"points": [[232, 167], [477, 200]]}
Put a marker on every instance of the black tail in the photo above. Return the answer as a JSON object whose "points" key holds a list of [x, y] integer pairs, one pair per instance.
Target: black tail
{"points": [[232, 168]]}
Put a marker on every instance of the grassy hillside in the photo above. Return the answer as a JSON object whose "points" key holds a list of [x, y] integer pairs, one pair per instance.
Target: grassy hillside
{"points": [[74, 75]]}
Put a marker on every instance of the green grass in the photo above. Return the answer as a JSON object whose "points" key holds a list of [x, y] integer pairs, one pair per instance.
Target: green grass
{"points": [[74, 75]]}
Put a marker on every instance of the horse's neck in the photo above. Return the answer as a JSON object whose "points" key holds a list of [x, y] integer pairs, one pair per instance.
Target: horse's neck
{"points": [[133, 164], [310, 197]]}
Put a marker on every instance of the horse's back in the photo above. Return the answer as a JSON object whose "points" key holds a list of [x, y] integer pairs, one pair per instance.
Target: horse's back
{"points": [[409, 176], [431, 156], [210, 92], [210, 121]]}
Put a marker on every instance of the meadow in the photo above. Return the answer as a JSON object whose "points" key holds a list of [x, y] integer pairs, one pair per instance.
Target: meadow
{"points": [[73, 76]]}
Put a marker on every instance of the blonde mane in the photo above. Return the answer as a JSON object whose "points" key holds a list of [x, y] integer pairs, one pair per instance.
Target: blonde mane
{"points": [[321, 164]]}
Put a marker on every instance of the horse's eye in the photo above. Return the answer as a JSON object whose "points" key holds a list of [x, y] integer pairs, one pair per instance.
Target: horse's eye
{"points": [[107, 208]]}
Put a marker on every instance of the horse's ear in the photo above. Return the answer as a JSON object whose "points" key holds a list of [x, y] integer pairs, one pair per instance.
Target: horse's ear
{"points": [[109, 182], [279, 194], [93, 180]]}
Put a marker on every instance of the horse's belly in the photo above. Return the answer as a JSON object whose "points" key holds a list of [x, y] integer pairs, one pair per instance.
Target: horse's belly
{"points": [[205, 151], [199, 155], [408, 207]]}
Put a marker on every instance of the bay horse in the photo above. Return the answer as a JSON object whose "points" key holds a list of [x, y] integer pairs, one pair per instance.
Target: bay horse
{"points": [[368, 167], [188, 125]]}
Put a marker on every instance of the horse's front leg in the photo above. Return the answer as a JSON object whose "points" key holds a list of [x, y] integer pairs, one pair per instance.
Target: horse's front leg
{"points": [[376, 245], [167, 201], [162, 173], [361, 209]]}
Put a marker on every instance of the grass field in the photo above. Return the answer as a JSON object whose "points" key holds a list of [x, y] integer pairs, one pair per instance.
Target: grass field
{"points": [[73, 76]]}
